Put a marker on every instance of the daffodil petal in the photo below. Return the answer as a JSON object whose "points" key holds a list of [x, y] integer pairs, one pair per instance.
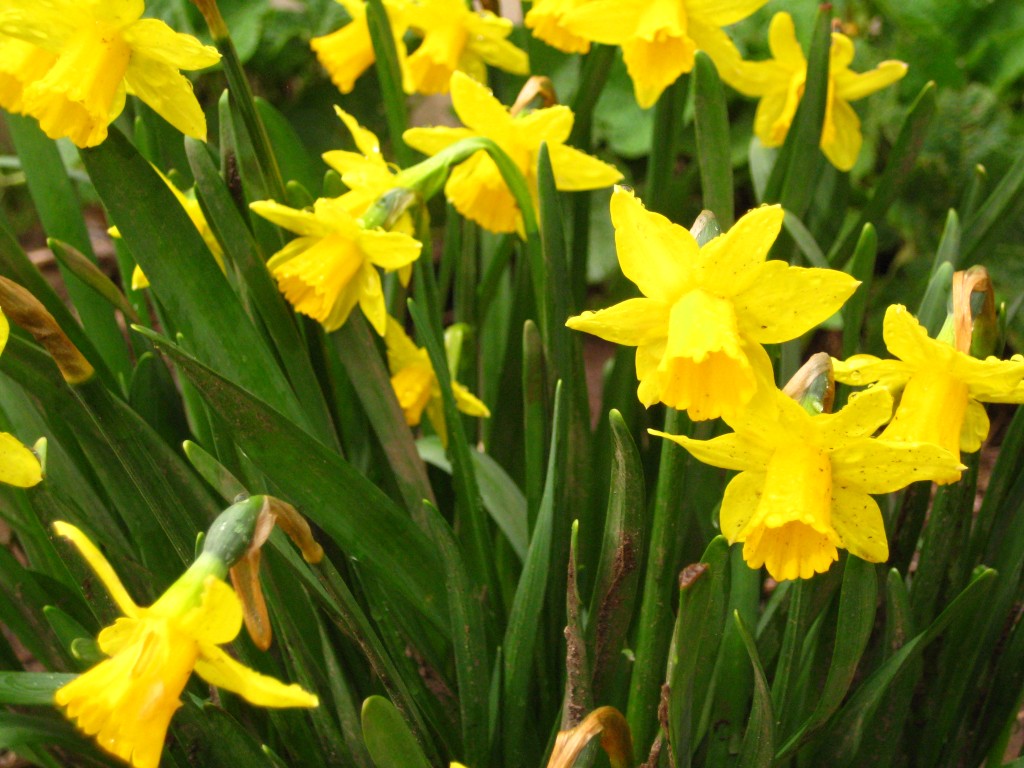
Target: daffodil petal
{"points": [[908, 340], [501, 53], [389, 250], [859, 370], [883, 466], [730, 451], [727, 263], [857, 520], [653, 252], [722, 13], [5, 331], [741, 499], [632, 322], [371, 298], [552, 124], [301, 222], [430, 141], [784, 302], [605, 21], [476, 106], [576, 170], [783, 43], [155, 40], [100, 567], [219, 669], [853, 85], [365, 140], [975, 429], [218, 617], [168, 93], [861, 417], [346, 53], [468, 403], [18, 465], [842, 143], [654, 65]]}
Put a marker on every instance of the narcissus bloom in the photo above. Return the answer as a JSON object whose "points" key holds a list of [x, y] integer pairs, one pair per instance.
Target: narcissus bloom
{"points": [[348, 52], [416, 387], [126, 701], [18, 465], [21, 63], [102, 50], [546, 19], [943, 388], [706, 310], [456, 38], [802, 491], [476, 187], [332, 266], [659, 38], [779, 83]]}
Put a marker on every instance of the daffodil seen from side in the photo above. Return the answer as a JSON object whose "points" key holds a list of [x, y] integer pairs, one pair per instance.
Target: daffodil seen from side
{"points": [[779, 84], [476, 187], [126, 701], [942, 388]]}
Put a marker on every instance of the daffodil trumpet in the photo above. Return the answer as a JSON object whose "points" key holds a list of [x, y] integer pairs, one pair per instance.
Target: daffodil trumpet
{"points": [[127, 700]]}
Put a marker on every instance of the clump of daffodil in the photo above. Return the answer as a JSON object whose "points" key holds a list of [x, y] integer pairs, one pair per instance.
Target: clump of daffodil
{"points": [[332, 266], [416, 386], [348, 52], [943, 388], [779, 83], [705, 311], [475, 187], [18, 465], [126, 701], [457, 38], [188, 201], [546, 20], [101, 50], [659, 38], [803, 489]]}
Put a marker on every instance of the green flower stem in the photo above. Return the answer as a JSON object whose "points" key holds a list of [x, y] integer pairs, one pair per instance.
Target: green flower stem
{"points": [[661, 162], [242, 96], [787, 668], [389, 73], [655, 625]]}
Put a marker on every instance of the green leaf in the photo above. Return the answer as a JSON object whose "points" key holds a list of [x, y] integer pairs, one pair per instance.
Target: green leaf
{"points": [[522, 630], [714, 149], [1000, 210], [213, 472], [60, 212], [613, 601], [388, 739], [758, 748], [317, 480], [389, 73], [31, 688], [842, 740], [502, 498], [862, 268], [183, 274], [472, 667], [78, 264], [856, 618]]}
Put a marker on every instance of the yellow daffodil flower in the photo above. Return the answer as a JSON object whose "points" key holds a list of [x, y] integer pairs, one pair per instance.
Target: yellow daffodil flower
{"points": [[126, 701], [802, 491], [475, 187], [943, 388], [368, 176], [779, 83], [332, 266], [18, 465], [348, 52], [659, 38], [188, 201], [705, 311], [546, 20], [416, 386], [456, 38], [102, 50]]}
